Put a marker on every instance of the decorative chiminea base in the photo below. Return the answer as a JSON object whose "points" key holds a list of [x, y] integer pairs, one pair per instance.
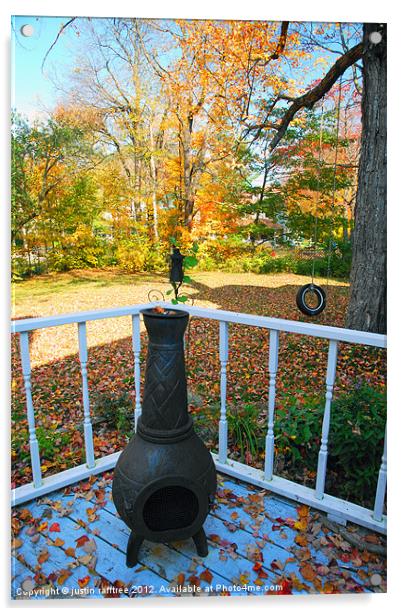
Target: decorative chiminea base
{"points": [[135, 543], [165, 479]]}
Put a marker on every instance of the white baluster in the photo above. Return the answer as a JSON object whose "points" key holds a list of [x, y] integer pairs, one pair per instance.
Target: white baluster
{"points": [[88, 428], [270, 438], [33, 442], [224, 356], [381, 485], [323, 453], [136, 354]]}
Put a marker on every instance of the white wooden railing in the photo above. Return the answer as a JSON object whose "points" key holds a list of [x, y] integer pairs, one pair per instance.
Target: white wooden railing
{"points": [[336, 508]]}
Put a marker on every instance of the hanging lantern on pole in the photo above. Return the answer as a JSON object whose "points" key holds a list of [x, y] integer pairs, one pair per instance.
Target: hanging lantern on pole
{"points": [[176, 270]]}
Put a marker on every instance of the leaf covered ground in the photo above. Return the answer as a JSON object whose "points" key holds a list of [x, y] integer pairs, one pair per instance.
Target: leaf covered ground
{"points": [[54, 351]]}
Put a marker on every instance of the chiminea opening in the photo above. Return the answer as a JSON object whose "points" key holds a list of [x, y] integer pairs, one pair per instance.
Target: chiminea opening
{"points": [[165, 479], [170, 508]]}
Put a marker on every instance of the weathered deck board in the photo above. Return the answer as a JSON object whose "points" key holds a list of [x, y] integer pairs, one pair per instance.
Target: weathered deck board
{"points": [[255, 543]]}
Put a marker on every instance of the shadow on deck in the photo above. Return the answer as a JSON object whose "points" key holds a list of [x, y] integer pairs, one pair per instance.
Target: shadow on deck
{"points": [[72, 544]]}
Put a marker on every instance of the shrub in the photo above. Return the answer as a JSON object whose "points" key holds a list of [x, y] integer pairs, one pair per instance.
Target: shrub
{"points": [[156, 259], [243, 432], [80, 250], [115, 409], [213, 254], [355, 440], [19, 268], [63, 260], [337, 265], [233, 255], [297, 433], [131, 255]]}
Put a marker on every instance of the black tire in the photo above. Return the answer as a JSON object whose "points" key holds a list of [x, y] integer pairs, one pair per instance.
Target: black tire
{"points": [[301, 299]]}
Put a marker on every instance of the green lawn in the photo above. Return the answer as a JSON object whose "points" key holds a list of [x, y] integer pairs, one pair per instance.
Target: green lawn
{"points": [[57, 293]]}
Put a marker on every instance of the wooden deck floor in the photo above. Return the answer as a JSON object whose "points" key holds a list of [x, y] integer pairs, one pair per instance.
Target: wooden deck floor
{"points": [[71, 544]]}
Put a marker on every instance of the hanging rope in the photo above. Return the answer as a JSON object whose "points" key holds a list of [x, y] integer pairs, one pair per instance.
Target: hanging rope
{"points": [[311, 289], [319, 167], [301, 297], [334, 179]]}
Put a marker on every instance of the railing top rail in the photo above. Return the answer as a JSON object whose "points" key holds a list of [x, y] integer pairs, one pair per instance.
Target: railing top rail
{"points": [[295, 327], [26, 325]]}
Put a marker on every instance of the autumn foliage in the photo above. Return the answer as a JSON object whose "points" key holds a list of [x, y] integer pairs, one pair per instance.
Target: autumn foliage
{"points": [[164, 130]]}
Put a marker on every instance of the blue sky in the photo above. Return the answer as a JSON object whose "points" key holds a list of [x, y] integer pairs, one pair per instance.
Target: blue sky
{"points": [[33, 93], [31, 90]]}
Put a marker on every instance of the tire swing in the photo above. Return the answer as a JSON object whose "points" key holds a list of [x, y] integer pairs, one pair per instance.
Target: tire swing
{"points": [[311, 299], [303, 302]]}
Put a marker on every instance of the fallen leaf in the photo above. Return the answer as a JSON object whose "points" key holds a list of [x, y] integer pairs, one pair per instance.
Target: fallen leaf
{"points": [[82, 540], [301, 540], [43, 556], [16, 543], [70, 552], [303, 511], [301, 524], [308, 572], [323, 570], [277, 564], [89, 546], [84, 581], [194, 580], [206, 576], [63, 575], [58, 542]]}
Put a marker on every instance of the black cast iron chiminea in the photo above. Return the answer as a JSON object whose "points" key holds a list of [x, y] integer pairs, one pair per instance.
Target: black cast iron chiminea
{"points": [[165, 479]]}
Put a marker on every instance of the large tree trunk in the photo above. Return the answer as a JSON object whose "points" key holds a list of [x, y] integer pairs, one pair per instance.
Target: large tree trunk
{"points": [[367, 302]]}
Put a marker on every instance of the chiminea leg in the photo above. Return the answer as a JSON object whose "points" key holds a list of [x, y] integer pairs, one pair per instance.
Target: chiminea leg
{"points": [[201, 543], [132, 549]]}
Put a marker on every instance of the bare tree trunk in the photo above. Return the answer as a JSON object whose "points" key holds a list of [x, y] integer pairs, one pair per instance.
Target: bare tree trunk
{"points": [[154, 184], [186, 155], [367, 302]]}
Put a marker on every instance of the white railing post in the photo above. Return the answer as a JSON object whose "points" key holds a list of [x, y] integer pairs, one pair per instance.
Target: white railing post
{"points": [[136, 354], [270, 438], [323, 453], [88, 428], [33, 442], [224, 356], [381, 485]]}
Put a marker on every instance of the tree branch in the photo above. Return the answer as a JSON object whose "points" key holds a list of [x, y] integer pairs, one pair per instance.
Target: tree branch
{"points": [[282, 41], [63, 27], [315, 94]]}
